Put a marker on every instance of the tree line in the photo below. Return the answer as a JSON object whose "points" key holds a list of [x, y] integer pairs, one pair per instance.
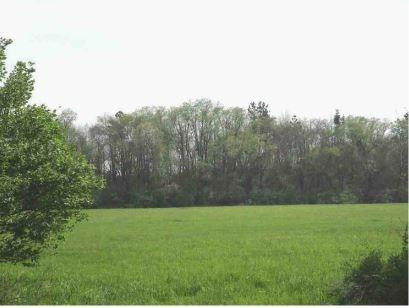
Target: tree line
{"points": [[203, 153]]}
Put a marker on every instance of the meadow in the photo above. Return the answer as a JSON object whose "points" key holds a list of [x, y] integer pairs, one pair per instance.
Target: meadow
{"points": [[207, 255]]}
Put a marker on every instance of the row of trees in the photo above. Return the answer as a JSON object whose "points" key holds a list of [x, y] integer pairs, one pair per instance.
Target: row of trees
{"points": [[202, 153]]}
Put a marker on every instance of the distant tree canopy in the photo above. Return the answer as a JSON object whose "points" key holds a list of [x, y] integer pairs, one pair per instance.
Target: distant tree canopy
{"points": [[44, 181], [202, 153]]}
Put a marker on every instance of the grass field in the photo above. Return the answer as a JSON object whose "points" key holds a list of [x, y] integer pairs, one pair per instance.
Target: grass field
{"points": [[209, 255]]}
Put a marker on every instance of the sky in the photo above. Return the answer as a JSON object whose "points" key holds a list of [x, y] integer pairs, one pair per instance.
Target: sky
{"points": [[301, 57]]}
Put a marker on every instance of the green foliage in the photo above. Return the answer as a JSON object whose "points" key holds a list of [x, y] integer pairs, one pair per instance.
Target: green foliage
{"points": [[155, 198], [262, 196], [44, 183], [345, 197], [202, 153], [236, 255], [377, 282]]}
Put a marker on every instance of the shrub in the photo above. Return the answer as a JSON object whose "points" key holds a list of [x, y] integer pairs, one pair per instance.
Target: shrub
{"points": [[325, 197], [234, 193], [346, 197], [148, 198], [376, 282], [262, 196], [288, 195], [44, 182]]}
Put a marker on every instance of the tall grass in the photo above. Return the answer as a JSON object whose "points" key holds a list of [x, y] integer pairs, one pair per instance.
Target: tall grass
{"points": [[214, 255]]}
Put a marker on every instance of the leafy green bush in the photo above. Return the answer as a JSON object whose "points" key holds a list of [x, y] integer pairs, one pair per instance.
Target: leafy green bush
{"points": [[325, 197], [346, 197], [234, 193], [148, 198], [262, 196], [44, 182], [376, 282], [288, 195]]}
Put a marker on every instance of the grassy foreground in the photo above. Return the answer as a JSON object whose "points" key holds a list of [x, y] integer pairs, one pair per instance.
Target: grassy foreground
{"points": [[209, 255]]}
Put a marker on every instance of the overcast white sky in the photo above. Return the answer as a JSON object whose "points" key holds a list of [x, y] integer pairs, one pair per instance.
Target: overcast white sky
{"points": [[303, 57]]}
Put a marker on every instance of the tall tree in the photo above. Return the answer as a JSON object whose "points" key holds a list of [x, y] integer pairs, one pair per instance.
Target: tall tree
{"points": [[44, 182]]}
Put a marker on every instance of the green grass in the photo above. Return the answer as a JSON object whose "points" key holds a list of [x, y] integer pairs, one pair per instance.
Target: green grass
{"points": [[208, 255]]}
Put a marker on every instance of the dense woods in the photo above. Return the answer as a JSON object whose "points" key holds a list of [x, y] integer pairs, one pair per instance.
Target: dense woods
{"points": [[203, 153]]}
